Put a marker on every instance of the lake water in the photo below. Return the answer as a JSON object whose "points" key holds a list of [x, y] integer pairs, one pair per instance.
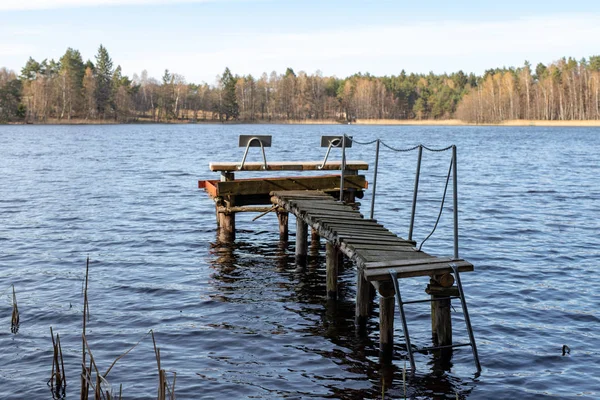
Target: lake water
{"points": [[240, 321]]}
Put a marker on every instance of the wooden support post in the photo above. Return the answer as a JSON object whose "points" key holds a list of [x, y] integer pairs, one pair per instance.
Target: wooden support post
{"points": [[332, 270], [283, 218], [340, 262], [226, 227], [363, 302], [301, 242], [386, 328], [226, 220], [441, 321], [315, 238]]}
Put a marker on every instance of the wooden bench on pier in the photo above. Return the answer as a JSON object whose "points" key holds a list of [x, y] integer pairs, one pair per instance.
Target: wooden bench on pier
{"points": [[233, 195]]}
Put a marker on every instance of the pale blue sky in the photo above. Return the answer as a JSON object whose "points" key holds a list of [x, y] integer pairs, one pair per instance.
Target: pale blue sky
{"points": [[198, 39]]}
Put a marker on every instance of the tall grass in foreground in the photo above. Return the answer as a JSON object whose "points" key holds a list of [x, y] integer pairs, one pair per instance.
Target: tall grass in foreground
{"points": [[91, 376]]}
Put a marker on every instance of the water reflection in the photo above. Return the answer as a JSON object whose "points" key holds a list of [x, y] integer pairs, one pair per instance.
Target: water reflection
{"points": [[343, 360]]}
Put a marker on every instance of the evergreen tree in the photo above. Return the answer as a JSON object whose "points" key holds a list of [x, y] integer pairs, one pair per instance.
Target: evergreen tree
{"points": [[229, 104], [104, 74], [31, 70], [72, 71]]}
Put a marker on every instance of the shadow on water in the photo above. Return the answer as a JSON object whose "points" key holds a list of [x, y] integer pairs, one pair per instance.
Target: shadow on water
{"points": [[249, 273]]}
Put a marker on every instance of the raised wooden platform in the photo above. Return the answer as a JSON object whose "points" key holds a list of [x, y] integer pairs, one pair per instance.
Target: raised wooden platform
{"points": [[264, 186], [375, 250]]}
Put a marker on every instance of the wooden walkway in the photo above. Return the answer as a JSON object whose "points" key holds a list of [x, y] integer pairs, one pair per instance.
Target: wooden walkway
{"points": [[375, 250]]}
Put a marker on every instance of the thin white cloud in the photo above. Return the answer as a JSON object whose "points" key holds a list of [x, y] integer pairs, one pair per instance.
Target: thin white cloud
{"points": [[12, 5], [417, 47], [15, 49]]}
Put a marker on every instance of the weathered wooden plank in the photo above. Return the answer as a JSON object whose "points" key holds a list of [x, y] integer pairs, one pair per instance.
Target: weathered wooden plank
{"points": [[380, 247], [389, 240], [349, 239], [324, 209], [335, 222], [382, 274], [252, 186], [351, 165], [324, 218], [320, 205], [349, 231], [427, 259], [369, 256]]}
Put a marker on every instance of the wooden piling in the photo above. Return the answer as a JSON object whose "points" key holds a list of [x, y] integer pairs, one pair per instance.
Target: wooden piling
{"points": [[315, 238], [226, 227], [283, 218], [386, 328], [332, 259], [226, 220], [363, 302], [301, 242], [441, 321]]}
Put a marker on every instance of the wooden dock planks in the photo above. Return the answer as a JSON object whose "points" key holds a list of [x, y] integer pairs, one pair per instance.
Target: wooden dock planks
{"points": [[373, 247]]}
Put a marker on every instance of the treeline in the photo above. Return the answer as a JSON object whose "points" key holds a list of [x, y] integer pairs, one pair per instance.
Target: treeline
{"points": [[563, 90], [70, 89]]}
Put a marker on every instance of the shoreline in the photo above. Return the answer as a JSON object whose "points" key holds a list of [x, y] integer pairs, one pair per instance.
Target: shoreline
{"points": [[381, 122]]}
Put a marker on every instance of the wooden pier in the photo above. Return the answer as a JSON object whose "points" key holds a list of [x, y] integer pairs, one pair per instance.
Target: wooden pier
{"points": [[377, 252]]}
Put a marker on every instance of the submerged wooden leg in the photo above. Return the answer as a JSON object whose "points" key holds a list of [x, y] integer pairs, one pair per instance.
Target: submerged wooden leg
{"points": [[386, 328], [441, 321], [332, 270], [283, 218], [301, 242], [226, 227], [363, 302], [315, 238]]}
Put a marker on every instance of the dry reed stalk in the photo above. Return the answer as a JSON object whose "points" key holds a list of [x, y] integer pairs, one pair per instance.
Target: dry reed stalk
{"points": [[162, 392], [14, 325], [124, 354], [97, 392], [172, 392], [163, 383], [85, 373], [57, 381]]}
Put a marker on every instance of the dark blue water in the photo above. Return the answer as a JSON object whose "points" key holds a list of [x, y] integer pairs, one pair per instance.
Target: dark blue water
{"points": [[240, 321]]}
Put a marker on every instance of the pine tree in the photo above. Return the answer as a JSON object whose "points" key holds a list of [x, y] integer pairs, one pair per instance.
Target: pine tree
{"points": [[72, 71], [104, 74], [229, 104]]}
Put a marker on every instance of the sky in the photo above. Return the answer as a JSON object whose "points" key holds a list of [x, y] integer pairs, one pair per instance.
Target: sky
{"points": [[199, 38]]}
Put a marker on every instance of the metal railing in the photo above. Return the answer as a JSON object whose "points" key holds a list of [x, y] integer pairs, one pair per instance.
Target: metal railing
{"points": [[451, 171]]}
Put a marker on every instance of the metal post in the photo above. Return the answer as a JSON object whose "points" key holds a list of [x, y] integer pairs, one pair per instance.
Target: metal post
{"points": [[455, 201], [375, 178], [415, 192], [463, 303], [411, 358], [343, 168]]}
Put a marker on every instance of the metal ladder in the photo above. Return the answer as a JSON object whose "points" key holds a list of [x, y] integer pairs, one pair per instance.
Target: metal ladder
{"points": [[460, 296]]}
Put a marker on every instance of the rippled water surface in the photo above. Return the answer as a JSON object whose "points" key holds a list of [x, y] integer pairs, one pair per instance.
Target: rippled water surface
{"points": [[240, 321]]}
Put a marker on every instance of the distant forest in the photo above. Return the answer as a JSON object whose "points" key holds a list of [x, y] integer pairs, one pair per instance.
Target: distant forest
{"points": [[72, 90]]}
